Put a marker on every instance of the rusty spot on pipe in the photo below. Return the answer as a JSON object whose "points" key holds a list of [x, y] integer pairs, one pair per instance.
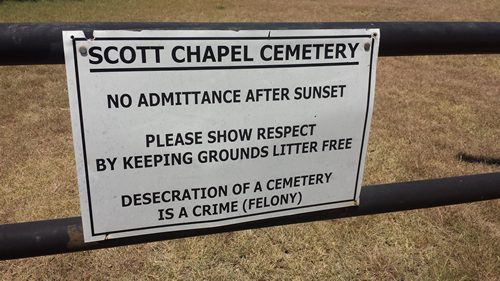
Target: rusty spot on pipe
{"points": [[75, 236]]}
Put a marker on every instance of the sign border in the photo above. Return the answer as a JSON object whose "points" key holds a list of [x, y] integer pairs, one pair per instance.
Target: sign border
{"points": [[82, 128]]}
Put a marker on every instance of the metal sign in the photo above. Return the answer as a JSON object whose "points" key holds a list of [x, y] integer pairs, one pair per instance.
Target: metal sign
{"points": [[177, 130]]}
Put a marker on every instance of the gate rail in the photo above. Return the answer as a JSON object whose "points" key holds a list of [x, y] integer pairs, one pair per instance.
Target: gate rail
{"points": [[42, 43], [66, 235]]}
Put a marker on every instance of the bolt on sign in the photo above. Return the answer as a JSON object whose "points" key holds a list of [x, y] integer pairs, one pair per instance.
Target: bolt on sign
{"points": [[179, 130]]}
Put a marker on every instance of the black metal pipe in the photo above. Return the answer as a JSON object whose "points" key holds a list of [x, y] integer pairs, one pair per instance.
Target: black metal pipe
{"points": [[42, 43], [65, 235]]}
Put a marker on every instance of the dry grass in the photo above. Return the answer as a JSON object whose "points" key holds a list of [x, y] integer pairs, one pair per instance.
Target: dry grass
{"points": [[427, 111]]}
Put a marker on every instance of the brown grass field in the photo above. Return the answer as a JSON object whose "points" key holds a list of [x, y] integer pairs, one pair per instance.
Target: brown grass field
{"points": [[427, 111]]}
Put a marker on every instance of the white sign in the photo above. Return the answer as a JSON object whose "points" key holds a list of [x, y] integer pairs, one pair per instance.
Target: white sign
{"points": [[177, 130]]}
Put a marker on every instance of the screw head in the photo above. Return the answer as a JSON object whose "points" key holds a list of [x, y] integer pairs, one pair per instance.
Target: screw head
{"points": [[367, 46], [83, 51]]}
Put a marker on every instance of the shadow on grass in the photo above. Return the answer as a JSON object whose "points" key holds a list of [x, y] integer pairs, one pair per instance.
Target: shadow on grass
{"points": [[478, 159]]}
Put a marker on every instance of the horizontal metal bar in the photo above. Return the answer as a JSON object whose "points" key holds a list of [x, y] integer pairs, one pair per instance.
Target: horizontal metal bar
{"points": [[42, 43], [65, 235]]}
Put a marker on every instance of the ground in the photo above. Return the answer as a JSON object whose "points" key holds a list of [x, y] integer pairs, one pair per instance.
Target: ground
{"points": [[428, 111]]}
